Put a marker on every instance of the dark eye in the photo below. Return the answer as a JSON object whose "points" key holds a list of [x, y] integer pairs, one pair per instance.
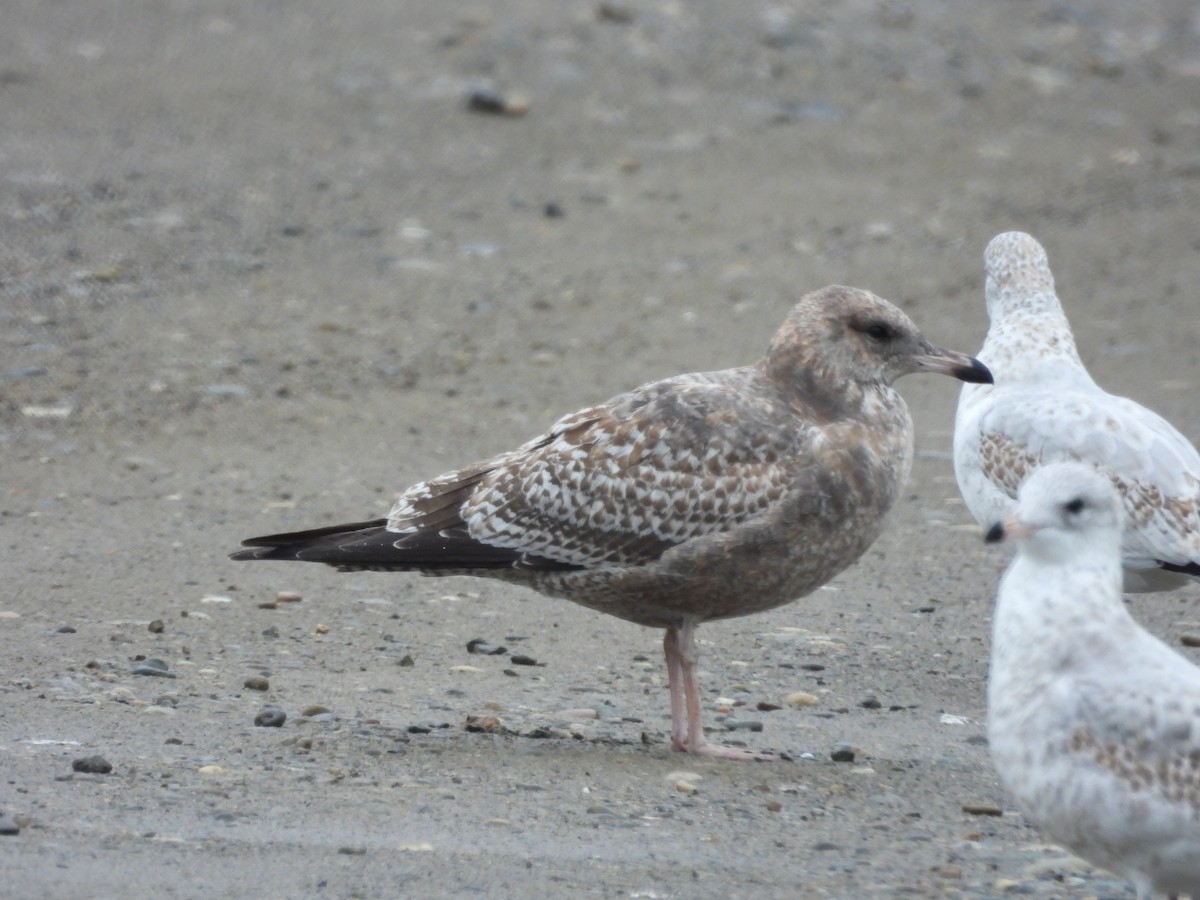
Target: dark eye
{"points": [[1075, 506], [878, 331]]}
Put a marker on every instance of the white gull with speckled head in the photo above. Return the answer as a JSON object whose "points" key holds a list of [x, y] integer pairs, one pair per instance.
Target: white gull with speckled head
{"points": [[699, 497], [1044, 406], [1093, 723]]}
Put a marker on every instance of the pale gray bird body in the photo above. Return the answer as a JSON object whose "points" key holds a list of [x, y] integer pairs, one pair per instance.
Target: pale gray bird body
{"points": [[1044, 407], [1093, 723]]}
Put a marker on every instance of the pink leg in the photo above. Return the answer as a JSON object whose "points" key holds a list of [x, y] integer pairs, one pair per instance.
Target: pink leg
{"points": [[679, 647], [679, 735]]}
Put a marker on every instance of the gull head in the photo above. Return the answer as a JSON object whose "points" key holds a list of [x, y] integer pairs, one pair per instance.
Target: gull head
{"points": [[1018, 276], [848, 336], [1064, 509]]}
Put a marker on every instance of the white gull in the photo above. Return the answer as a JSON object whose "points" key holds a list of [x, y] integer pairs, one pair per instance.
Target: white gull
{"points": [[1045, 406], [1093, 723]]}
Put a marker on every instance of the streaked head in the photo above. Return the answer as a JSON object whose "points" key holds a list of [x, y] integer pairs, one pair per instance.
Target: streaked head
{"points": [[1017, 276], [850, 335]]}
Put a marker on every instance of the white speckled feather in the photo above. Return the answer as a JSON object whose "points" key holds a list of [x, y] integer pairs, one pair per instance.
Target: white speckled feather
{"points": [[1045, 407], [1093, 723]]}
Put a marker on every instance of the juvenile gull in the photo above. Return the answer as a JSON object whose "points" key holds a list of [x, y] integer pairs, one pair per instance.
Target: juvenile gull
{"points": [[1045, 406], [699, 497], [1093, 723]]}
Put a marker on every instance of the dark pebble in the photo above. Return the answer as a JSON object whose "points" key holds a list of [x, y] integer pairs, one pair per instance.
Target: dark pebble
{"points": [[842, 753], [8, 825], [826, 845], [768, 706], [270, 717], [485, 100], [419, 729], [156, 627], [982, 809], [407, 660], [479, 645], [743, 725], [154, 667], [520, 659], [92, 765], [871, 703], [553, 210], [66, 629]]}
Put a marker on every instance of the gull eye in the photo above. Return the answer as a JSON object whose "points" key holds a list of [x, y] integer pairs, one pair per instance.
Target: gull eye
{"points": [[1075, 506], [878, 331]]}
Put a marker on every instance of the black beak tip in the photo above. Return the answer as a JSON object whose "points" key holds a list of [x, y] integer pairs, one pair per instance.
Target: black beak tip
{"points": [[995, 534], [976, 373]]}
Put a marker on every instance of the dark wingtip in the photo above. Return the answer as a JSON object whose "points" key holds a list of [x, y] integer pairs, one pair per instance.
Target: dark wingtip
{"points": [[976, 373], [995, 534], [1192, 569]]}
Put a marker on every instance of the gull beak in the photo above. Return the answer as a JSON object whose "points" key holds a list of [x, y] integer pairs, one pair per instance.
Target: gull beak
{"points": [[1011, 529], [956, 365]]}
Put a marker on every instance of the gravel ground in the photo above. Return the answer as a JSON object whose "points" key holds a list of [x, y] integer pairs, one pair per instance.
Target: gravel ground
{"points": [[262, 266]]}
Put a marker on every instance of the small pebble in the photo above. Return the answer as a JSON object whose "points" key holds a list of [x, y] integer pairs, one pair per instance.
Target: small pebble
{"points": [[774, 806], [520, 659], [322, 629], [479, 645], [406, 660], [802, 698], [257, 683], [92, 765], [1190, 640], [66, 629], [270, 717], [767, 706], [843, 753], [486, 100], [156, 627], [618, 13], [288, 597], [8, 825], [153, 667], [871, 702], [485, 724], [315, 710], [743, 725], [982, 809]]}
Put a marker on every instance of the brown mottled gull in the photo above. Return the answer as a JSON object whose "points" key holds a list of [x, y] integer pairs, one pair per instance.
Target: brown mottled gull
{"points": [[1093, 723], [698, 497], [1045, 407]]}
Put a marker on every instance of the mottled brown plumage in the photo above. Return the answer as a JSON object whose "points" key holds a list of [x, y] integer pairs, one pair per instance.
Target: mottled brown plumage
{"points": [[698, 497]]}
